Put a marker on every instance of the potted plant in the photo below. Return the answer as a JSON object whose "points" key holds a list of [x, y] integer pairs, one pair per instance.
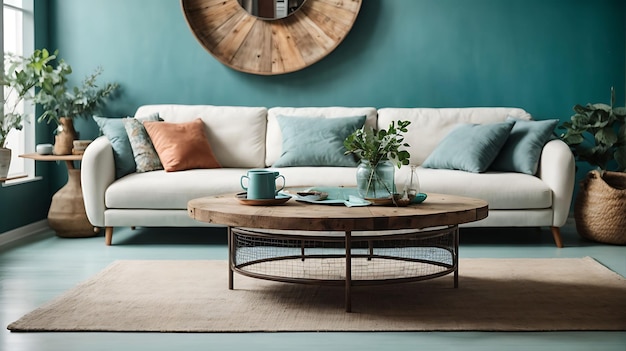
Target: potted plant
{"points": [[596, 134], [17, 87], [8, 122], [377, 151], [60, 103]]}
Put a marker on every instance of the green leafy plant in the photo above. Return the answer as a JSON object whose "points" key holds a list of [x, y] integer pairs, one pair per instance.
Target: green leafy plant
{"points": [[375, 146], [56, 98], [597, 134], [17, 86], [49, 76]]}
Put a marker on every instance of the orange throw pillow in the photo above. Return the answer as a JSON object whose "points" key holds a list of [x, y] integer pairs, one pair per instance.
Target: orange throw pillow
{"points": [[182, 146]]}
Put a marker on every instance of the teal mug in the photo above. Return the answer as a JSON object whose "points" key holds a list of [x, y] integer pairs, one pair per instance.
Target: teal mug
{"points": [[261, 184]]}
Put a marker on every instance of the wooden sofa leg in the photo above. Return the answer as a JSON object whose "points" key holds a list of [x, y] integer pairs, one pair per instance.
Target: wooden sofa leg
{"points": [[108, 235], [556, 233]]}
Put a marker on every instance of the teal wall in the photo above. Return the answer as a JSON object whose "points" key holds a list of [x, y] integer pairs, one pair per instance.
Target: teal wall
{"points": [[540, 55]]}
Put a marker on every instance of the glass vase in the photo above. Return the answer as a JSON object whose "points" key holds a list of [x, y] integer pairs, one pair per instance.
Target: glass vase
{"points": [[375, 182], [411, 186]]}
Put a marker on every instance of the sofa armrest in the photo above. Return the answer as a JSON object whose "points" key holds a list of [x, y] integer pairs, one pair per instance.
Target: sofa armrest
{"points": [[557, 169], [97, 173]]}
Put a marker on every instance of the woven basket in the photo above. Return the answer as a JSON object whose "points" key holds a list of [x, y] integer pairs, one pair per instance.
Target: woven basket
{"points": [[600, 207]]}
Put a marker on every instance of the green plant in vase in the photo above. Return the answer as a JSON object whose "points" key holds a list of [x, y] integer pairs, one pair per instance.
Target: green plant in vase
{"points": [[60, 103], [378, 151]]}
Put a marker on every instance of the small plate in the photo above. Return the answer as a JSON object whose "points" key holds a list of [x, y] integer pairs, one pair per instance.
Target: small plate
{"points": [[312, 195], [279, 200], [419, 198]]}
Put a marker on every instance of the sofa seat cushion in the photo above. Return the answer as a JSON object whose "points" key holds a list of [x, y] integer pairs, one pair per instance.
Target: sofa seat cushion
{"points": [[171, 190], [500, 189], [318, 176]]}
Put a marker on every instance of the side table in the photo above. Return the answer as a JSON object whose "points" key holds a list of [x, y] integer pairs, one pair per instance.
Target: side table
{"points": [[67, 216]]}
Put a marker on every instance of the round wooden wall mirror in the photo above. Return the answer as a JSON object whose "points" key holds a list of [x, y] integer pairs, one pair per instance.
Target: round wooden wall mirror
{"points": [[250, 44]]}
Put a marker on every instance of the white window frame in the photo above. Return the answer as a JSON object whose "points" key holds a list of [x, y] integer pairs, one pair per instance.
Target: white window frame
{"points": [[22, 141]]}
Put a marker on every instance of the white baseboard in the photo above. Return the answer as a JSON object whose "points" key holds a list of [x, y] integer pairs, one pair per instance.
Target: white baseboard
{"points": [[24, 232]]}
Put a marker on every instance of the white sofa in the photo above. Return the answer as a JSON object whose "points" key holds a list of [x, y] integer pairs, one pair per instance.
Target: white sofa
{"points": [[250, 137]]}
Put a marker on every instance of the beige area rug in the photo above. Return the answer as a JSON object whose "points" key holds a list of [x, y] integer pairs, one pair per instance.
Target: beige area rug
{"points": [[192, 296]]}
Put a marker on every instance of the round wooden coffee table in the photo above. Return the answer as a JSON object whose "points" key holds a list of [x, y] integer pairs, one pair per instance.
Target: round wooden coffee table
{"points": [[336, 245]]}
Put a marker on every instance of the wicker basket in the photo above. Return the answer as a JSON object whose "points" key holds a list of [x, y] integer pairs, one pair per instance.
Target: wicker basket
{"points": [[600, 208]]}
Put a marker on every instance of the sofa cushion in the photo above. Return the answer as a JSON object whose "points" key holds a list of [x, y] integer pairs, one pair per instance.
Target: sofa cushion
{"points": [[274, 135], [502, 190], [113, 129], [311, 141], [470, 147], [172, 190], [181, 146], [237, 133], [430, 125], [146, 157], [522, 149]]}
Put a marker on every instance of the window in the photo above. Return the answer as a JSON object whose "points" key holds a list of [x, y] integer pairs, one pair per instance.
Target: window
{"points": [[18, 37]]}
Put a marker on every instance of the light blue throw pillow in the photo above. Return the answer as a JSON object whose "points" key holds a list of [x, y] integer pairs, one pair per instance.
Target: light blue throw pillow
{"points": [[522, 150], [312, 141], [470, 147], [113, 129]]}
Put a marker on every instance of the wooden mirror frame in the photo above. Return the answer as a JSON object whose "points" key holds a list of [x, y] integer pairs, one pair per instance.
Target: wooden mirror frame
{"points": [[269, 47]]}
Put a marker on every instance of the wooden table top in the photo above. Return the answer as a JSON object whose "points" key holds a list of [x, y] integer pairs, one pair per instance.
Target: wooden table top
{"points": [[437, 210], [38, 157]]}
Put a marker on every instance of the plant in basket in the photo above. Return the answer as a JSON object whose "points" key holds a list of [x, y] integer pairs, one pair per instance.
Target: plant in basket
{"points": [[596, 135], [378, 151]]}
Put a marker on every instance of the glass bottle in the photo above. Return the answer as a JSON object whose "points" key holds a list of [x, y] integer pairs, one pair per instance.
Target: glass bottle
{"points": [[411, 186]]}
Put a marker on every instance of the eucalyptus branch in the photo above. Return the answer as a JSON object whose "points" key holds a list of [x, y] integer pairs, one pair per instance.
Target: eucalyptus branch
{"points": [[375, 146]]}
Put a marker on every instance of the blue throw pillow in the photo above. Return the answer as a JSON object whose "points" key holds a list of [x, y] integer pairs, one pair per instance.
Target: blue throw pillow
{"points": [[470, 147], [312, 141], [522, 150], [113, 129]]}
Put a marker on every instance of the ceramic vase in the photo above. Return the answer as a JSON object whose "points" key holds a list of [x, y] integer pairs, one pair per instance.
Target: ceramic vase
{"points": [[64, 139]]}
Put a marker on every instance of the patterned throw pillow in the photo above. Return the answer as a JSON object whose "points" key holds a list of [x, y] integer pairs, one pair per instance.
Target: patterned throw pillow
{"points": [[146, 157]]}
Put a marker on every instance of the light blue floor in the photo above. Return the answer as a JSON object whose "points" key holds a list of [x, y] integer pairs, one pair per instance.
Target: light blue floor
{"points": [[36, 270]]}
